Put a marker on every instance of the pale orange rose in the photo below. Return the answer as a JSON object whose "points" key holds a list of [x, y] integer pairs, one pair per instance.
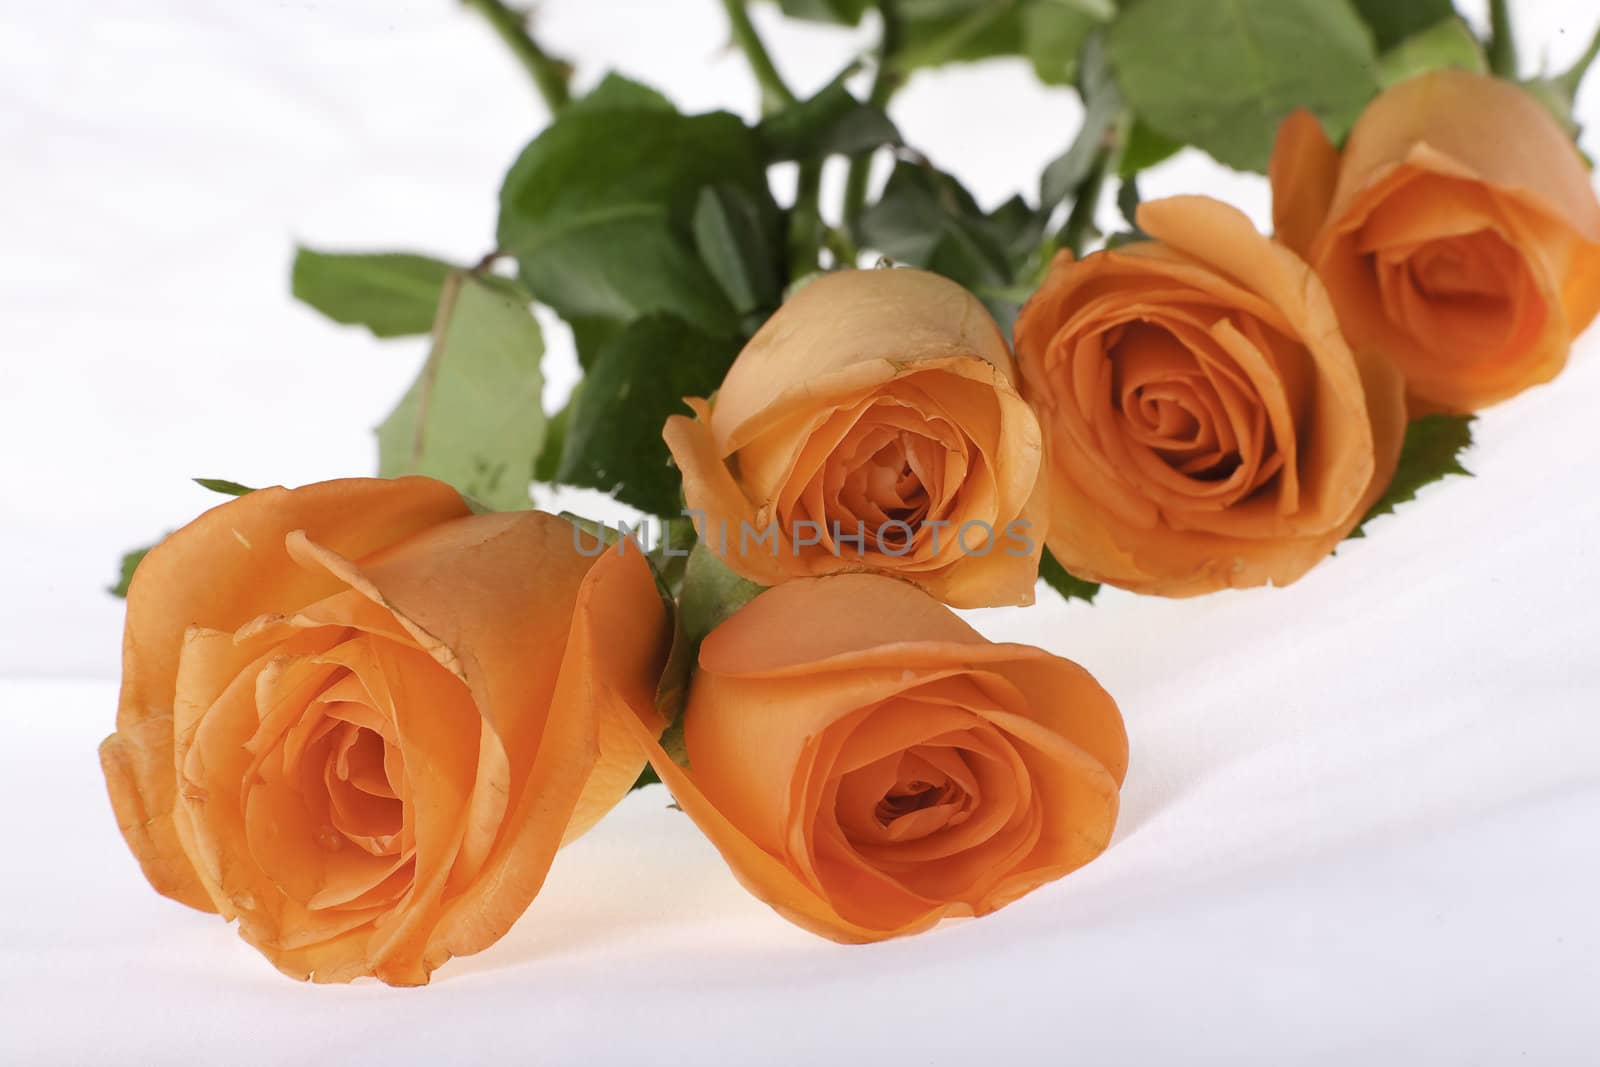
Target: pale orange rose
{"points": [[1458, 234], [868, 764], [873, 423], [1207, 425], [361, 719]]}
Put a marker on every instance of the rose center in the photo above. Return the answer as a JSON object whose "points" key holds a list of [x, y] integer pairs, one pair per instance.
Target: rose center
{"points": [[1169, 404], [915, 795], [908, 796], [894, 485], [887, 479], [1478, 266], [363, 803], [349, 771], [1468, 296]]}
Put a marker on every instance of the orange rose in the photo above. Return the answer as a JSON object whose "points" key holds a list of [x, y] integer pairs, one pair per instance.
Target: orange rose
{"points": [[362, 720], [872, 424], [1208, 427], [1458, 234], [868, 764]]}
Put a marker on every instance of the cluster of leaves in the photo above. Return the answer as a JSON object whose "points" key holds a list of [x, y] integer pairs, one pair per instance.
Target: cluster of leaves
{"points": [[657, 238]]}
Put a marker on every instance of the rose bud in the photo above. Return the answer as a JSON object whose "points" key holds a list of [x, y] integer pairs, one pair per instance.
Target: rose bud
{"points": [[868, 764], [873, 423], [1457, 233], [1208, 427], [361, 719]]}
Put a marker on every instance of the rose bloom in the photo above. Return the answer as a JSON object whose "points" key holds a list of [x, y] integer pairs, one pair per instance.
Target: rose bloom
{"points": [[1457, 233], [873, 423], [361, 719], [868, 764], [1208, 427]]}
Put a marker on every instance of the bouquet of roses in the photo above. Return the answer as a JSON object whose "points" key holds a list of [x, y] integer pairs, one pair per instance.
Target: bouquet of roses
{"points": [[362, 716]]}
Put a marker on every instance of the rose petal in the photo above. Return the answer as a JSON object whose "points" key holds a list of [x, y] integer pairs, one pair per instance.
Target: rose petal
{"points": [[796, 732], [846, 318], [246, 572], [587, 757], [1489, 128], [1303, 172], [1281, 394]]}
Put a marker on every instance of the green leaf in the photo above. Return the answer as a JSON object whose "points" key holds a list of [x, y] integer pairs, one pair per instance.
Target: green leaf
{"points": [[618, 93], [848, 12], [1099, 10], [1066, 173], [613, 441], [920, 206], [711, 593], [393, 294], [473, 417], [1046, 32], [555, 437], [598, 210], [1447, 45], [1393, 21], [1017, 228], [936, 32], [1103, 113], [925, 218], [1223, 75], [733, 240], [589, 336], [1057, 578], [1432, 450], [223, 486], [1053, 33], [831, 123], [130, 563], [1144, 149]]}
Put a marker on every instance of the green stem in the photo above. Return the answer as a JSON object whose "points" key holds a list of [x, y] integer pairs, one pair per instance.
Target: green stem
{"points": [[884, 83], [548, 73], [1079, 227], [775, 93], [806, 229], [844, 250], [1502, 43]]}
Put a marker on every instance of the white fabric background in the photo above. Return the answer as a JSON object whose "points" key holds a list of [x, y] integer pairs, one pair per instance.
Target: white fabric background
{"points": [[1361, 821]]}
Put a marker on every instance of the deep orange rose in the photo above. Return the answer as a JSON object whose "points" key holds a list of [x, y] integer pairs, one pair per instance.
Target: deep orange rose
{"points": [[361, 719], [1458, 234], [1207, 425], [868, 764], [872, 423]]}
